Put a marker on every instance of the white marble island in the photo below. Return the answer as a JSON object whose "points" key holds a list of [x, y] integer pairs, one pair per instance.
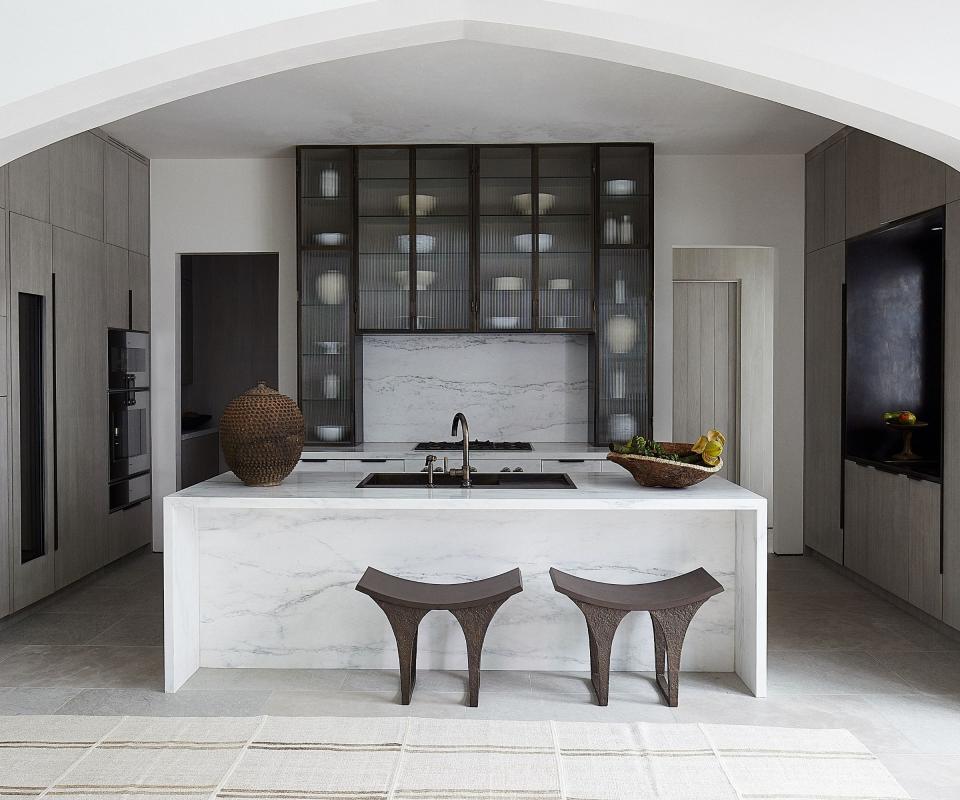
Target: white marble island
{"points": [[265, 577]]}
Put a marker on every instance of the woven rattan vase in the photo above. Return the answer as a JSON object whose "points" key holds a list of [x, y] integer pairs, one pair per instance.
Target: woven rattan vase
{"points": [[261, 433]]}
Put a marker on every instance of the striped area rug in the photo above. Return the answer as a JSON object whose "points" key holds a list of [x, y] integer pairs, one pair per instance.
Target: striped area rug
{"points": [[327, 758]]}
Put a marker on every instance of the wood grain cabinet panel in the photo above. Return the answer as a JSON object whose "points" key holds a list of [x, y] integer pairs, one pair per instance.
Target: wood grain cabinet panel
{"points": [[886, 182], [6, 527], [76, 185], [951, 420], [925, 583], [80, 335], [116, 196], [28, 185], [128, 530], [834, 189], [116, 287], [4, 267], [814, 205], [3, 186], [139, 206], [876, 527], [31, 255], [953, 185], [823, 401], [139, 281]]}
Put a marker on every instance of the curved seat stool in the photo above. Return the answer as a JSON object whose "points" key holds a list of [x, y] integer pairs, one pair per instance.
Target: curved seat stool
{"points": [[672, 603], [407, 602]]}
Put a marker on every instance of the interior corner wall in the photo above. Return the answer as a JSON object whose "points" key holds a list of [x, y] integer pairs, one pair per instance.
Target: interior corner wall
{"points": [[740, 200], [212, 206]]}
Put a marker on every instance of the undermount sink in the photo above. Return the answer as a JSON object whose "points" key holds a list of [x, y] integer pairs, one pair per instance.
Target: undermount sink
{"points": [[478, 480]]}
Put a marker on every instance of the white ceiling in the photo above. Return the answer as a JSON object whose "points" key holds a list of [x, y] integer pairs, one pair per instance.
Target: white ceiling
{"points": [[467, 91]]}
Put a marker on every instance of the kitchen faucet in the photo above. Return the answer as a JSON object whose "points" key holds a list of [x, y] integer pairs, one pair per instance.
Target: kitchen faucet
{"points": [[464, 472]]}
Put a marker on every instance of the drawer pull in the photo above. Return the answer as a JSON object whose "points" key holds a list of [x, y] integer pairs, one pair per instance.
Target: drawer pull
{"points": [[571, 460], [373, 461]]}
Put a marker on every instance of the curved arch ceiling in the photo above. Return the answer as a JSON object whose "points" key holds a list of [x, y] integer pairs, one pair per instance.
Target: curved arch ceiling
{"points": [[850, 62]]}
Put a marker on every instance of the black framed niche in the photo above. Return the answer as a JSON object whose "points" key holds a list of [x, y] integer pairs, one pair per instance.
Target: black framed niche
{"points": [[492, 239], [894, 342]]}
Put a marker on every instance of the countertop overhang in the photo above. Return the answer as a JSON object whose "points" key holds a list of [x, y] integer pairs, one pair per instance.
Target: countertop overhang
{"points": [[338, 490]]}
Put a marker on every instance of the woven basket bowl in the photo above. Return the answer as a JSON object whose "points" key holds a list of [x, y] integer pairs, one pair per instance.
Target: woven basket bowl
{"points": [[659, 472], [261, 433]]}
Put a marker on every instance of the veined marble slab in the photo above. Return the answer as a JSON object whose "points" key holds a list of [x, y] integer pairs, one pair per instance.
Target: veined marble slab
{"points": [[510, 386], [265, 577]]}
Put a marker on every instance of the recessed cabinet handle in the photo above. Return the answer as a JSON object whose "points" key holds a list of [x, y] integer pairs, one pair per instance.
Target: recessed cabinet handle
{"points": [[571, 460], [373, 461]]}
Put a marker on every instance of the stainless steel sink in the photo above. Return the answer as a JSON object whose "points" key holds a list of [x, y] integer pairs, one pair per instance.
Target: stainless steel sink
{"points": [[478, 480]]}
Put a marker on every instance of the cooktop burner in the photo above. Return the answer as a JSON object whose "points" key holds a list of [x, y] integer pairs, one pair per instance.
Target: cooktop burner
{"points": [[479, 445]]}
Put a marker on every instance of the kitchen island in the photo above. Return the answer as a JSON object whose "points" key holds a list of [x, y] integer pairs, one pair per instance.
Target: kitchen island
{"points": [[264, 577]]}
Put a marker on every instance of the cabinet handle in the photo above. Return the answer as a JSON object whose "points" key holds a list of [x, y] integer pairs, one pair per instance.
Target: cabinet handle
{"points": [[571, 460], [373, 461]]}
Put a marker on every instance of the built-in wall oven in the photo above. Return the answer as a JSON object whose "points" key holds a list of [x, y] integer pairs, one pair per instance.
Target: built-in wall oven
{"points": [[129, 409]]}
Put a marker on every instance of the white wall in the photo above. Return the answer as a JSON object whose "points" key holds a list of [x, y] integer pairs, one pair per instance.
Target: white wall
{"points": [[740, 200], [212, 206]]}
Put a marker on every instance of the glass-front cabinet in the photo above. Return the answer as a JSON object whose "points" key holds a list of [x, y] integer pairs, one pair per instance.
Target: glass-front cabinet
{"points": [[329, 358], [486, 238], [623, 341]]}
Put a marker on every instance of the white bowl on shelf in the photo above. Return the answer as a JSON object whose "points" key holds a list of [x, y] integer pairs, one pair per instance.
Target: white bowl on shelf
{"points": [[425, 278], [561, 320], [425, 243], [425, 203], [329, 239], [331, 287], [559, 284], [329, 433], [621, 333], [622, 426], [508, 283], [524, 242], [524, 202], [620, 187], [504, 323]]}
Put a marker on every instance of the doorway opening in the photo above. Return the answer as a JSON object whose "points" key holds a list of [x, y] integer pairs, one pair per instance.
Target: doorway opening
{"points": [[228, 342]]}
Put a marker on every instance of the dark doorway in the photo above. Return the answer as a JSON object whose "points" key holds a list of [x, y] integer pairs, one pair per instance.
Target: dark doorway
{"points": [[228, 342]]}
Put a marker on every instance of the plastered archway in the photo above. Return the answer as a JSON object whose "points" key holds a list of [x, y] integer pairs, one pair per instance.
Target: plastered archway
{"points": [[835, 61]]}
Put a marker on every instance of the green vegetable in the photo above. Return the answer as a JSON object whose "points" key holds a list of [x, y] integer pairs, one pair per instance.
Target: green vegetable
{"points": [[638, 446], [707, 449]]}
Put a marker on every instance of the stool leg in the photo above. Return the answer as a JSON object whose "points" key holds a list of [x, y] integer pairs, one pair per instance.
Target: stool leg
{"points": [[474, 622], [405, 623], [659, 648], [602, 624], [672, 624]]}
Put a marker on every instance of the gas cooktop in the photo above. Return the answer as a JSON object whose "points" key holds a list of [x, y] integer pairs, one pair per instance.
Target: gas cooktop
{"points": [[479, 445]]}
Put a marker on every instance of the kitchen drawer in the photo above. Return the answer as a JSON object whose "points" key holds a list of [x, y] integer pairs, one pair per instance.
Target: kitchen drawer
{"points": [[571, 465], [366, 465], [322, 465], [501, 465]]}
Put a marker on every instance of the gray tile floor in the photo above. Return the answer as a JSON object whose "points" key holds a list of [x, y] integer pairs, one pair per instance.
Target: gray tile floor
{"points": [[840, 657]]}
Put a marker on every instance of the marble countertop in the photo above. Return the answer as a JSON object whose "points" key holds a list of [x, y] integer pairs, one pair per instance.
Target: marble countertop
{"points": [[329, 490], [540, 450]]}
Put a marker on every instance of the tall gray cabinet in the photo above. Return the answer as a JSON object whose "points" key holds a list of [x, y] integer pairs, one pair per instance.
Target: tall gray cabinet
{"points": [[74, 261], [879, 523]]}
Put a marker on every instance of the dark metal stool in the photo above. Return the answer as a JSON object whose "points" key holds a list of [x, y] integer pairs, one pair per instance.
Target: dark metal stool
{"points": [[407, 602], [672, 603]]}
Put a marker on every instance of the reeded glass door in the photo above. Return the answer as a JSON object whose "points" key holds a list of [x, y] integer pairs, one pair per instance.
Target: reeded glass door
{"points": [[441, 218], [506, 238], [565, 237], [327, 365], [624, 294], [386, 238]]}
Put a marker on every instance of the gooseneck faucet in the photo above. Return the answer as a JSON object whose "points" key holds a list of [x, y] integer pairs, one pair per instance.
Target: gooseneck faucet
{"points": [[460, 420]]}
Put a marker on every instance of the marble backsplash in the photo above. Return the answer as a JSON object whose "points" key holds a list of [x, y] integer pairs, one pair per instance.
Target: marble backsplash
{"points": [[511, 387]]}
